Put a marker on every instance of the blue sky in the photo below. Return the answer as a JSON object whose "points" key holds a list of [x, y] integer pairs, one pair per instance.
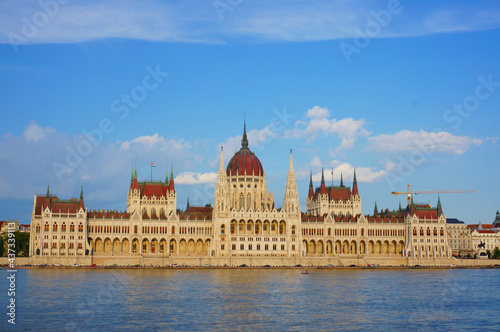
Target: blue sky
{"points": [[406, 92]]}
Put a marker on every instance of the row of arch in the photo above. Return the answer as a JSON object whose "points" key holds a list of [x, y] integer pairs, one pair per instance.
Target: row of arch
{"points": [[256, 228], [353, 247], [153, 246], [434, 232]]}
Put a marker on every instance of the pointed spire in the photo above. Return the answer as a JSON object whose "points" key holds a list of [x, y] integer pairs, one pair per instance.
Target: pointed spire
{"points": [[81, 205], [311, 188], [400, 209], [439, 207], [166, 175], [187, 205], [244, 140], [355, 185], [375, 210], [132, 175], [290, 165], [323, 188], [222, 170], [135, 170], [48, 191], [171, 184], [341, 179]]}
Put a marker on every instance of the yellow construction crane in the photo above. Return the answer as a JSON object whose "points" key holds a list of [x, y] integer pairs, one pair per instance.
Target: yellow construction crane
{"points": [[409, 193]]}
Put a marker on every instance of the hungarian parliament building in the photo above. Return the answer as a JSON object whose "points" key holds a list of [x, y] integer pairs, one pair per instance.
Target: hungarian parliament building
{"points": [[242, 226]]}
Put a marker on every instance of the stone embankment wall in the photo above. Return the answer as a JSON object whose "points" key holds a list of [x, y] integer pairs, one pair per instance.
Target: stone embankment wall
{"points": [[342, 261]]}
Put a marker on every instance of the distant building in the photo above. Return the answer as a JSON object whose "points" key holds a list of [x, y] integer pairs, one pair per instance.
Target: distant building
{"points": [[459, 237], [9, 225], [485, 236]]}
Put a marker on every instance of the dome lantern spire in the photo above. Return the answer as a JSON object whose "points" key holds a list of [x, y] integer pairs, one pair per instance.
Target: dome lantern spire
{"points": [[244, 140]]}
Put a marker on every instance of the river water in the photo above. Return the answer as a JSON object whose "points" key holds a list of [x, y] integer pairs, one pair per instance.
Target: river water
{"points": [[254, 299]]}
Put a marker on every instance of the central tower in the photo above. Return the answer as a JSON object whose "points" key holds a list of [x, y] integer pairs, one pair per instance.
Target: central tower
{"points": [[247, 180]]}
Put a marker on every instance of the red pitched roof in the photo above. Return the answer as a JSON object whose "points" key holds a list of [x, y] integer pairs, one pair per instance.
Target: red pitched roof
{"points": [[205, 209], [335, 193]]}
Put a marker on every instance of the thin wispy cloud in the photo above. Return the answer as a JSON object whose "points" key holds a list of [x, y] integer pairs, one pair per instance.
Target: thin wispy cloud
{"points": [[406, 141], [28, 22]]}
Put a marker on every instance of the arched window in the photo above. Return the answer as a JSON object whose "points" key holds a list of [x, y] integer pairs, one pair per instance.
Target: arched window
{"points": [[330, 231], [421, 231], [46, 227], [63, 227], [293, 230], [414, 230], [173, 229], [72, 227], [242, 202], [441, 232], [428, 231], [54, 227], [435, 231], [80, 227], [223, 229], [135, 229]]}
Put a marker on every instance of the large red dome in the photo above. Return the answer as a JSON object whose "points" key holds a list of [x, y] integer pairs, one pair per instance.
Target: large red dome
{"points": [[244, 162]]}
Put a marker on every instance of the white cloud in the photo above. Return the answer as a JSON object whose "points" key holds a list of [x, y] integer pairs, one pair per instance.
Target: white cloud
{"points": [[198, 21], [195, 178], [319, 122], [406, 141], [257, 140], [33, 132], [27, 163], [155, 142], [363, 174]]}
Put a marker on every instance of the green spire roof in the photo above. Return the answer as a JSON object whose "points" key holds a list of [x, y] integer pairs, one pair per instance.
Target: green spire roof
{"points": [[166, 176], [172, 172], [81, 193]]}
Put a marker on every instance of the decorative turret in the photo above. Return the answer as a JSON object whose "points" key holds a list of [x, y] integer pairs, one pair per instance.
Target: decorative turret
{"points": [[47, 198], [341, 179], [355, 185], [221, 187], [171, 185], [291, 199], [375, 210], [311, 188], [323, 187], [439, 207], [80, 203]]}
